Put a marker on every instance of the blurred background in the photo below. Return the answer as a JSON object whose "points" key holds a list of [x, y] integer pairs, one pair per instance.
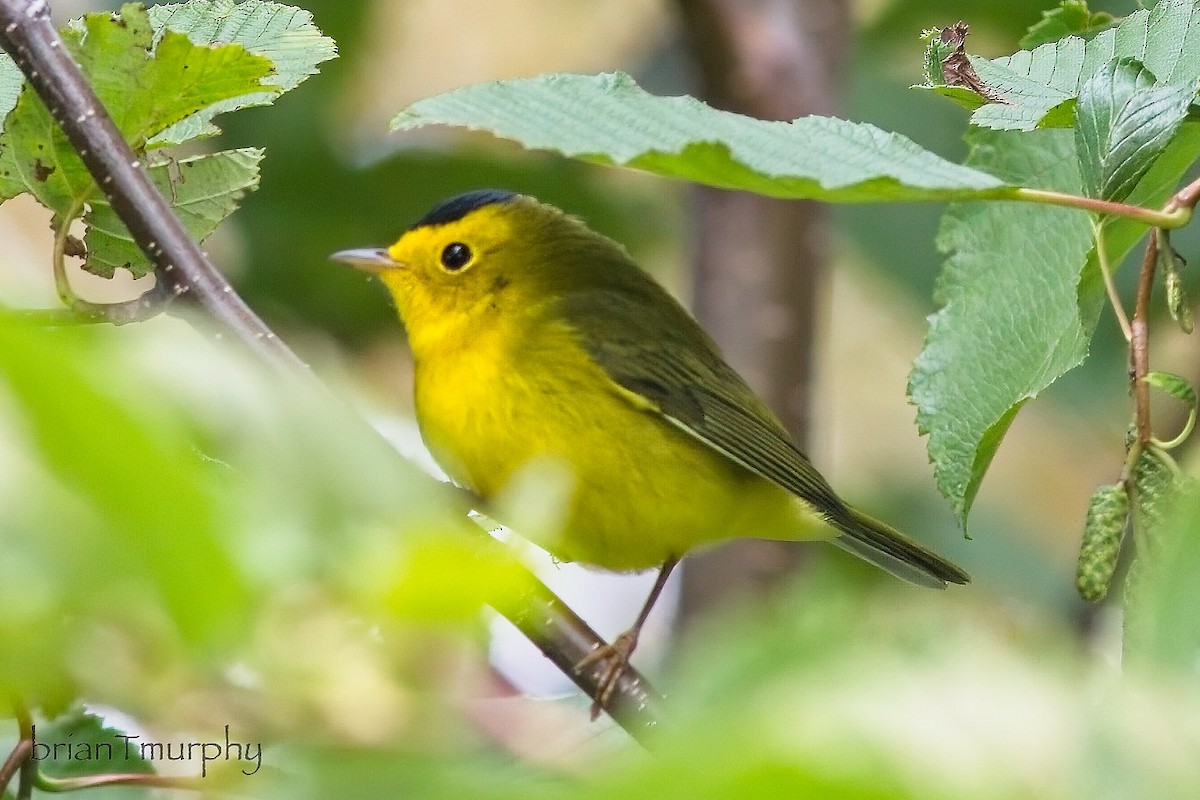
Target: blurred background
{"points": [[823, 309]]}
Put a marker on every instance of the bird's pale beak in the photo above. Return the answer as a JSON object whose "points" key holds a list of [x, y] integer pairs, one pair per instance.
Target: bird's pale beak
{"points": [[369, 259]]}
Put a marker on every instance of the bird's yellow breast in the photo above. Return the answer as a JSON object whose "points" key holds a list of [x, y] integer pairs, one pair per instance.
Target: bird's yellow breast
{"points": [[494, 393]]}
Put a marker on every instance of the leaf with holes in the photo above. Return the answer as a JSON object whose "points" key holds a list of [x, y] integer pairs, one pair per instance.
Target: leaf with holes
{"points": [[283, 34], [175, 79], [202, 190]]}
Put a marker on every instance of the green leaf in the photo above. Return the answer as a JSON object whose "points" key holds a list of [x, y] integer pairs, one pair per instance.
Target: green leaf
{"points": [[1175, 385], [1071, 17], [1123, 123], [202, 190], [1010, 323], [1021, 294], [1178, 387], [281, 33], [174, 79], [609, 119], [1037, 87], [11, 81]]}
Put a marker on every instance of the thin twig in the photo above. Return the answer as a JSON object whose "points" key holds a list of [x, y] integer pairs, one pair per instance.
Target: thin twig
{"points": [[149, 304], [1114, 297], [16, 759], [1185, 198], [1170, 216], [1139, 344], [28, 769], [28, 35], [147, 779]]}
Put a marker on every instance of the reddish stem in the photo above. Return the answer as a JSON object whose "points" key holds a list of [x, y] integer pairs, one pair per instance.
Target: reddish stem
{"points": [[1139, 345]]}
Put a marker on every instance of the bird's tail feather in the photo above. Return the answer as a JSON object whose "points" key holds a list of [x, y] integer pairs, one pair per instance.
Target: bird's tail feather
{"points": [[890, 550]]}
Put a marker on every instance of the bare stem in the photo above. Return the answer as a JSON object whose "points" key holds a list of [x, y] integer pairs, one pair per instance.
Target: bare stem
{"points": [[1169, 217], [12, 765], [1185, 199], [28, 767], [1139, 344], [1114, 297], [147, 779], [143, 307]]}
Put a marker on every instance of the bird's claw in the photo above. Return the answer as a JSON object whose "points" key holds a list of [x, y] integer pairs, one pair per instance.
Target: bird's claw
{"points": [[617, 657]]}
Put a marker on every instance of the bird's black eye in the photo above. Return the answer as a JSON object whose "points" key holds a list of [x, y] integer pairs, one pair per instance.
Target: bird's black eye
{"points": [[455, 256]]}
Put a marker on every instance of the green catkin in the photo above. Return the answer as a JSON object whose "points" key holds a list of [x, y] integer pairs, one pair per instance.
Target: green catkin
{"points": [[1101, 546], [1154, 482], [1177, 301]]}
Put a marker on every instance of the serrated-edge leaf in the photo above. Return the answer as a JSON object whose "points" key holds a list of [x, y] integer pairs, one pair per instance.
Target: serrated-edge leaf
{"points": [[1021, 297], [38, 156], [175, 78], [608, 118], [202, 190], [281, 33], [1124, 122], [1010, 322]]}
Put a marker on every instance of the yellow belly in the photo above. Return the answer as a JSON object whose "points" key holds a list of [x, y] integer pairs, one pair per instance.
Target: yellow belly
{"points": [[643, 491]]}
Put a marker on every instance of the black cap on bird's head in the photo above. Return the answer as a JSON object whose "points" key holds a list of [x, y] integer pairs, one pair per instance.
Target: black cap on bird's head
{"points": [[448, 211], [459, 206]]}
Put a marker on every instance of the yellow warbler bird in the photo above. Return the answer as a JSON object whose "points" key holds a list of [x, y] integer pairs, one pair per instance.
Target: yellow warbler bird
{"points": [[537, 339]]}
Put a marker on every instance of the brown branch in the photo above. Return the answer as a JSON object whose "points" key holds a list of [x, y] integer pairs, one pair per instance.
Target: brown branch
{"points": [[1185, 198], [15, 761], [1139, 344], [28, 768], [1170, 216], [29, 36]]}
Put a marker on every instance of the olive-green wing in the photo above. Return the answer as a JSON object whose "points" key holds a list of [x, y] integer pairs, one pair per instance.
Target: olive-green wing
{"points": [[663, 356], [649, 346]]}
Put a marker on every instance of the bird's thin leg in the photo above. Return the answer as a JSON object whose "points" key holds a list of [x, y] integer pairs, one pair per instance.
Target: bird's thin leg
{"points": [[618, 653]]}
